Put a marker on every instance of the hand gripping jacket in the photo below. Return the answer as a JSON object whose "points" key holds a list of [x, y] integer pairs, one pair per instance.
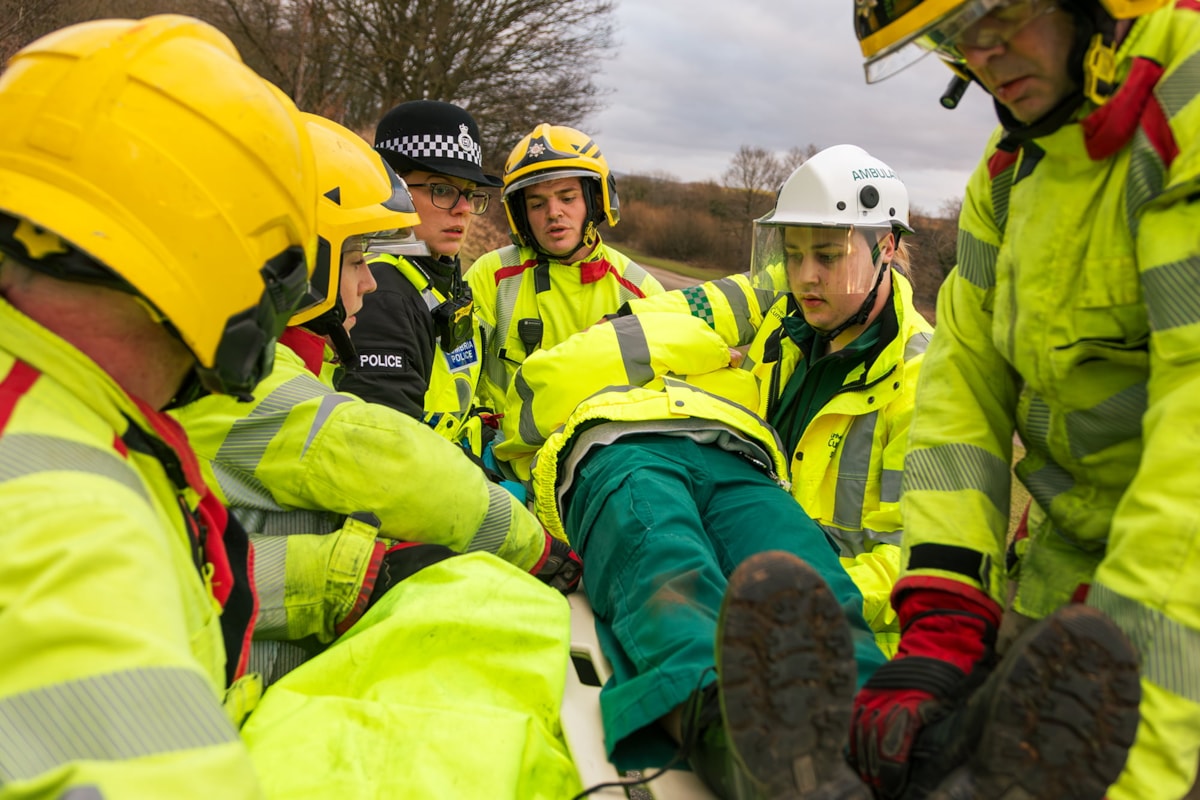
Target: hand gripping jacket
{"points": [[1081, 328], [322, 480], [847, 466], [525, 302], [210, 217]]}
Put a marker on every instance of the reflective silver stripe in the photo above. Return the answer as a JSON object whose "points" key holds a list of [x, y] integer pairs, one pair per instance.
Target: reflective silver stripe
{"points": [[635, 274], [82, 793], [328, 403], [1176, 90], [275, 521], [493, 531], [1169, 649], [1115, 420], [741, 308], [507, 291], [853, 469], [274, 659], [635, 350], [855, 543], [526, 424], [956, 468], [1001, 189], [890, 481], [1145, 179], [977, 261], [917, 344], [121, 715], [270, 577], [24, 454], [1170, 292], [248, 438]]}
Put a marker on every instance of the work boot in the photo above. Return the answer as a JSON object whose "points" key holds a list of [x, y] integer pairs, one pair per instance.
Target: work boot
{"points": [[1054, 721], [786, 677]]}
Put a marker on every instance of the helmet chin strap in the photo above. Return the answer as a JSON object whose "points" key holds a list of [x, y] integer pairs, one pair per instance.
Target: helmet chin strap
{"points": [[590, 236], [868, 304]]}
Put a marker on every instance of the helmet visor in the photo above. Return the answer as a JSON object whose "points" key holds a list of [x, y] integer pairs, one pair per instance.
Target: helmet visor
{"points": [[817, 261], [940, 35], [396, 242], [548, 175]]}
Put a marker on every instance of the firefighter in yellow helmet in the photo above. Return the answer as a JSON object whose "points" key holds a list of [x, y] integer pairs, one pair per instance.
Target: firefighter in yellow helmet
{"points": [[1073, 321], [558, 276], [157, 227], [337, 491]]}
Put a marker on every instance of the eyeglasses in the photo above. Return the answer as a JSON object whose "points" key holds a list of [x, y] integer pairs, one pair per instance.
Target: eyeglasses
{"points": [[445, 196], [988, 25]]}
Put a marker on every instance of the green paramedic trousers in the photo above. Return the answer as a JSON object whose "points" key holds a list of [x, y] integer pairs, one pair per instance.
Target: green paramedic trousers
{"points": [[660, 523]]}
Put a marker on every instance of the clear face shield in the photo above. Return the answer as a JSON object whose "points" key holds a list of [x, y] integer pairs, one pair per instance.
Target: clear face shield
{"points": [[395, 242], [819, 262]]}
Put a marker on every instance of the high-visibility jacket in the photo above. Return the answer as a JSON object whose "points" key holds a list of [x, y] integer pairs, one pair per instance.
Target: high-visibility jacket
{"points": [[641, 374], [1074, 316], [449, 686], [113, 665], [515, 284], [299, 459], [399, 350], [845, 470]]}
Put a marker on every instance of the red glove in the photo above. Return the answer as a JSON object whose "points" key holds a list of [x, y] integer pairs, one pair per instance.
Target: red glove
{"points": [[559, 566], [948, 630]]}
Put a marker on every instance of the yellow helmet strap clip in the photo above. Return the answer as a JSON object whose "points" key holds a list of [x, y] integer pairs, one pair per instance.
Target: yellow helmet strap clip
{"points": [[1099, 70]]}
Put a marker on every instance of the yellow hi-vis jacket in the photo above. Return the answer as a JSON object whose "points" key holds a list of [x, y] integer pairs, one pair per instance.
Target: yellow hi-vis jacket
{"points": [[112, 664], [450, 686], [300, 458], [643, 373], [454, 378], [846, 469], [1074, 316], [513, 284]]}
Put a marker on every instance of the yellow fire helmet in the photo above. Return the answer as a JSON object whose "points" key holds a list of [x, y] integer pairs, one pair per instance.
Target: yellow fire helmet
{"points": [[362, 203], [551, 152], [894, 34], [145, 156]]}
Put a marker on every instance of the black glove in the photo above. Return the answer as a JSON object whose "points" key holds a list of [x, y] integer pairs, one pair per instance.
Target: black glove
{"points": [[559, 566], [402, 560]]}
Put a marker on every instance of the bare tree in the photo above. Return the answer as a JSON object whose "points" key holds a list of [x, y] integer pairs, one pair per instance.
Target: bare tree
{"points": [[511, 63], [793, 158]]}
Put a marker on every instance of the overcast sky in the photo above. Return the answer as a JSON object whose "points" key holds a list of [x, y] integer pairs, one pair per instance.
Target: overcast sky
{"points": [[694, 80]]}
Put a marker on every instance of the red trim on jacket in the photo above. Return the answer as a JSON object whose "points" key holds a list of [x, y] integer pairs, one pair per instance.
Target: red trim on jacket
{"points": [[1000, 161], [1110, 127], [19, 380], [210, 525], [306, 344], [589, 272]]}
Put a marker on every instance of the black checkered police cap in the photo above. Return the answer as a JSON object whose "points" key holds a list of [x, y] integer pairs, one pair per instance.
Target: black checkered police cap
{"points": [[435, 137]]}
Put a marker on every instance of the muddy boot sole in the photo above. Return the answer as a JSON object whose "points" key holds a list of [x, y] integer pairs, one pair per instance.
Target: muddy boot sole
{"points": [[1061, 717], [785, 661]]}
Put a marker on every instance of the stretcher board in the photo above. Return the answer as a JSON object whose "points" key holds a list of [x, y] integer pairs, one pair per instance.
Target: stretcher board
{"points": [[584, 729]]}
